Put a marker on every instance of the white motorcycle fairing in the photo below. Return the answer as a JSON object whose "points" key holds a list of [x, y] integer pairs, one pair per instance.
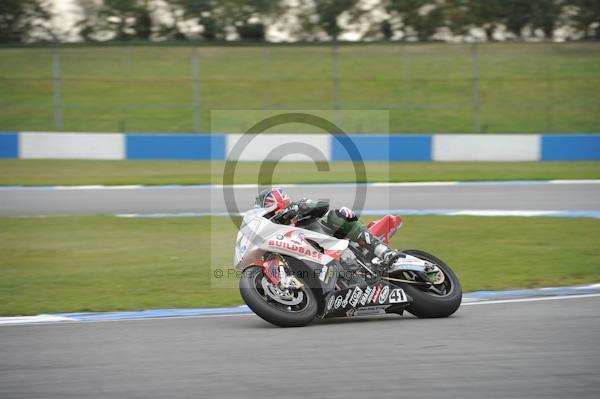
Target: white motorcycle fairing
{"points": [[258, 235]]}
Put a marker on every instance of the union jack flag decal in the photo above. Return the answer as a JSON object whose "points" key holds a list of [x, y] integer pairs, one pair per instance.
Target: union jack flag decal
{"points": [[346, 212], [276, 197]]}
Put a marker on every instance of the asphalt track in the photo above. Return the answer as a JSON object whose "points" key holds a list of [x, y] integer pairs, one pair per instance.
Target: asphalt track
{"points": [[179, 199], [538, 349]]}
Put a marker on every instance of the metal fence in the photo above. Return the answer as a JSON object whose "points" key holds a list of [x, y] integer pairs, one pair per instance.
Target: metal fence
{"points": [[427, 88]]}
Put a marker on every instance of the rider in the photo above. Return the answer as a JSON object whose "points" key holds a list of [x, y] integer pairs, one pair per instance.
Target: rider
{"points": [[343, 222]]}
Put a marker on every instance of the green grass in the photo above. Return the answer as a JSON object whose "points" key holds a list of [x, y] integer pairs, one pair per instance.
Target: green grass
{"points": [[70, 172], [524, 87], [57, 264]]}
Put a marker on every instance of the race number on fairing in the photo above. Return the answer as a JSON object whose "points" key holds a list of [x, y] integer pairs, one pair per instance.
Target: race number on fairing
{"points": [[397, 296]]}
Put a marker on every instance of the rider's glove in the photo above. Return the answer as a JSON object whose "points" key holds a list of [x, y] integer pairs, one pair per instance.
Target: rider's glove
{"points": [[290, 212], [302, 206]]}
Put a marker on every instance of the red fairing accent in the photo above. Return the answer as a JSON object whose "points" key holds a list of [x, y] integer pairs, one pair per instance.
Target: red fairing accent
{"points": [[385, 227], [334, 254], [259, 264], [270, 269]]}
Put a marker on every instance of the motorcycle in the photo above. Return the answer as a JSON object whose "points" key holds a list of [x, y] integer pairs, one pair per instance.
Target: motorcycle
{"points": [[292, 274]]}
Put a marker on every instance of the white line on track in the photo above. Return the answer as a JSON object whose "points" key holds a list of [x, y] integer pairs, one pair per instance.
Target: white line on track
{"points": [[544, 298], [73, 321], [100, 187], [492, 302], [582, 181], [284, 185], [403, 212]]}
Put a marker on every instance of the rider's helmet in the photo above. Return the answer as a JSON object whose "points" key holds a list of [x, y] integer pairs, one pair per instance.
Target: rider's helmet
{"points": [[272, 199], [346, 213]]}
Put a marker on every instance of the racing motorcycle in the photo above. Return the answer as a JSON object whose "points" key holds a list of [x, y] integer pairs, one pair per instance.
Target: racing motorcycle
{"points": [[292, 274]]}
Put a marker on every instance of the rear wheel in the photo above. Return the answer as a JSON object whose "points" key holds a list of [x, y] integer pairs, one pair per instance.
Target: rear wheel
{"points": [[444, 296], [284, 308]]}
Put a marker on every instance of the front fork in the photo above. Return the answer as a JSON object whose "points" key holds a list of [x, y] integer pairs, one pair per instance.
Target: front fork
{"points": [[278, 272]]}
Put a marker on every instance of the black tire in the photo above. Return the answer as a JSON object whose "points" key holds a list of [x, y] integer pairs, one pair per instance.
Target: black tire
{"points": [[270, 313], [428, 304]]}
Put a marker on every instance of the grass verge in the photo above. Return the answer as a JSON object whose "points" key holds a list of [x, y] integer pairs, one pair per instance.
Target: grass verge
{"points": [[59, 264], [73, 172]]}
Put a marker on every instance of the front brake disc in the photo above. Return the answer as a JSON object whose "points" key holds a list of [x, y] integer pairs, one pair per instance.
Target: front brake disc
{"points": [[288, 299]]}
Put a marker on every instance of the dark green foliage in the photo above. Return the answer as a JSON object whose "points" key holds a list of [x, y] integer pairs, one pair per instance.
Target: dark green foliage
{"points": [[421, 20], [587, 18], [329, 11], [216, 17], [19, 17], [117, 15]]}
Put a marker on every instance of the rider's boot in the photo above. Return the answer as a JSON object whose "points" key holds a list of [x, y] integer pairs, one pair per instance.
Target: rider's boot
{"points": [[384, 256]]}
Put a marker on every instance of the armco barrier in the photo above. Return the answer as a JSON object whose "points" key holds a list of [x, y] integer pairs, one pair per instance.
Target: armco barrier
{"points": [[383, 148], [71, 145], [9, 145], [171, 146], [492, 147], [273, 147], [576, 147]]}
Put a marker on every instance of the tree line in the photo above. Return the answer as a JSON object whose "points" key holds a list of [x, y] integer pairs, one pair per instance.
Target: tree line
{"points": [[304, 20]]}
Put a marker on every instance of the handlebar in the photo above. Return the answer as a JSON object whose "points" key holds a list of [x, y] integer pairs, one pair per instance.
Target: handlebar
{"points": [[292, 210]]}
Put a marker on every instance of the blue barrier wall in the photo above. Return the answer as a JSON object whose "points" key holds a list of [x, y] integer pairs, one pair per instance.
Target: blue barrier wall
{"points": [[175, 146], [9, 145], [381, 148], [575, 147]]}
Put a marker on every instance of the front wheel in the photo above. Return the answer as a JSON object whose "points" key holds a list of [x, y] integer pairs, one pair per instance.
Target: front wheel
{"points": [[441, 299], [294, 308]]}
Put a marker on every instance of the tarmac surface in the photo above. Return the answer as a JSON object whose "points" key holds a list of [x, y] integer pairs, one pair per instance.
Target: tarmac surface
{"points": [[178, 199], [537, 349]]}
